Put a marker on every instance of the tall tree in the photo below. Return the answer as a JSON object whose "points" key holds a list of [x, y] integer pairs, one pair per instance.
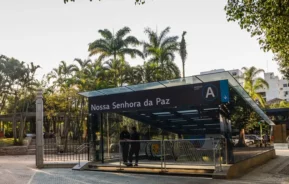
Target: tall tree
{"points": [[242, 115], [268, 22], [160, 48], [183, 51], [115, 45], [117, 70], [253, 83]]}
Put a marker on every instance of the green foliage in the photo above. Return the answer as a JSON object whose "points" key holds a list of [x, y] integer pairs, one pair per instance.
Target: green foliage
{"points": [[254, 83], [242, 115], [66, 111], [267, 20], [115, 45], [160, 51], [6, 142]]}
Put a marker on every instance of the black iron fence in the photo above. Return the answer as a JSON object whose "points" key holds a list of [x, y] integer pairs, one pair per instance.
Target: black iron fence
{"points": [[65, 149]]}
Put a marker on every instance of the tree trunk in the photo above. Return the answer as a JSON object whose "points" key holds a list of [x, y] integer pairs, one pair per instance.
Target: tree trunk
{"points": [[241, 142], [22, 124], [3, 102], [83, 124], [14, 123], [183, 69]]}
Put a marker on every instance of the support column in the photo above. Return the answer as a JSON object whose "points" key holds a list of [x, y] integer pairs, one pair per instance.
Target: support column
{"points": [[39, 129], [101, 138]]}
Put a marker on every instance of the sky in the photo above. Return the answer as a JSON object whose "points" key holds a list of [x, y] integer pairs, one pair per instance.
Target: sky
{"points": [[48, 31]]}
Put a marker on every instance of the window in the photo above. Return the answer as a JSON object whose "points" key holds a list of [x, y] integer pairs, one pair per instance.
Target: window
{"points": [[234, 73], [285, 85], [286, 93], [271, 76]]}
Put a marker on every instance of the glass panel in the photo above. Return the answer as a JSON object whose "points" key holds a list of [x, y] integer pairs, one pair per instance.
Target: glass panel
{"points": [[241, 91], [90, 94], [181, 81], [152, 85], [219, 76], [115, 90]]}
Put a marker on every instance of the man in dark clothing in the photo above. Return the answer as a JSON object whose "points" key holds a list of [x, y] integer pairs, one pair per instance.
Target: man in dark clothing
{"points": [[124, 135], [134, 147]]}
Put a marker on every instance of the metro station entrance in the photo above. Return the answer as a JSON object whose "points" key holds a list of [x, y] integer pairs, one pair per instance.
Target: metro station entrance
{"points": [[183, 123]]}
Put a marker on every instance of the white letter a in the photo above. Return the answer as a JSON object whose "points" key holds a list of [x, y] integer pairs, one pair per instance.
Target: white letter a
{"points": [[210, 92]]}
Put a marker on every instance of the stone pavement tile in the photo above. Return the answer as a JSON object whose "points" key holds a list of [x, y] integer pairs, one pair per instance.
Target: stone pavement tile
{"points": [[271, 172], [63, 176]]}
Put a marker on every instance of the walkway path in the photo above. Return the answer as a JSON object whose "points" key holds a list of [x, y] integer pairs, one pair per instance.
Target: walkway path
{"points": [[21, 170]]}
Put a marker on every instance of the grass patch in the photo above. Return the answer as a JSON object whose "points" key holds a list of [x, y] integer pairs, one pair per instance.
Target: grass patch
{"points": [[6, 142]]}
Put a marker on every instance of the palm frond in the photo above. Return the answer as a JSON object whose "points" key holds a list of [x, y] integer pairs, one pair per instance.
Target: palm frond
{"points": [[105, 33], [163, 34], [122, 32]]}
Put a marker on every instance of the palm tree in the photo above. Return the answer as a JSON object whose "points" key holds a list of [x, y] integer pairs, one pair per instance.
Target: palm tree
{"points": [[117, 70], [160, 48], [254, 83], [116, 45], [62, 74], [183, 51], [82, 63], [241, 114]]}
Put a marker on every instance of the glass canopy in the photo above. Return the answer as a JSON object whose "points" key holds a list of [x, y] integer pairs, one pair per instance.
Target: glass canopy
{"points": [[185, 81]]}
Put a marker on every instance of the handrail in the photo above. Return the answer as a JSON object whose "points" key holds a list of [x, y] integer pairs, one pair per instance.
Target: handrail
{"points": [[79, 149], [83, 145]]}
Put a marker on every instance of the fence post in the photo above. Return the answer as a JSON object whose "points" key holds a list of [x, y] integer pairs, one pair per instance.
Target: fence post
{"points": [[119, 152], [220, 159], [214, 152], [162, 156], [226, 150], [39, 129], [165, 166]]}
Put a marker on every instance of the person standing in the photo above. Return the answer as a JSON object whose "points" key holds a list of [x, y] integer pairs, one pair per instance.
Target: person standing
{"points": [[124, 135], [134, 147]]}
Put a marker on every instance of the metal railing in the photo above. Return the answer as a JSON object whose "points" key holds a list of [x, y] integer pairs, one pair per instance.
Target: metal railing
{"points": [[81, 148], [183, 153], [64, 150]]}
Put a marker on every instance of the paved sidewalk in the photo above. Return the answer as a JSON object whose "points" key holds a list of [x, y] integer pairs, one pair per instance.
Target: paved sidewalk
{"points": [[21, 170], [275, 171], [17, 169]]}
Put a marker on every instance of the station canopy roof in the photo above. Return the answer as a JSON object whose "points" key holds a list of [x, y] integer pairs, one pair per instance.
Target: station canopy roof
{"points": [[179, 117]]}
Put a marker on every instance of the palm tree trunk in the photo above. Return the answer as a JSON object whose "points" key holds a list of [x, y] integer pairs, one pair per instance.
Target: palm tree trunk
{"points": [[183, 69]]}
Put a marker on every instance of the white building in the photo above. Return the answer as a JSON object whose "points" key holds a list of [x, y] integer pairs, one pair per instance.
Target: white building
{"points": [[235, 73], [278, 88]]}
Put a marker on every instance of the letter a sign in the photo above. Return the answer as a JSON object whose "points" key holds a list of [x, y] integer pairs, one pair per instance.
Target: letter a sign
{"points": [[210, 92]]}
